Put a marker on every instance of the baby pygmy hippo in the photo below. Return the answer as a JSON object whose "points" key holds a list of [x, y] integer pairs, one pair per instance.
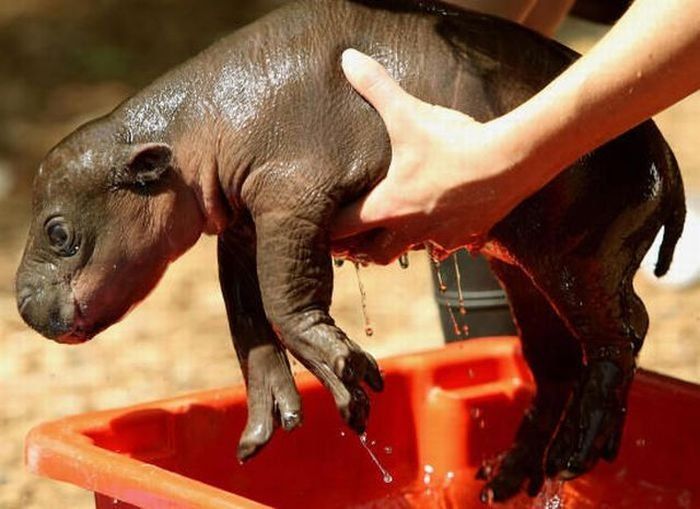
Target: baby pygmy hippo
{"points": [[259, 140]]}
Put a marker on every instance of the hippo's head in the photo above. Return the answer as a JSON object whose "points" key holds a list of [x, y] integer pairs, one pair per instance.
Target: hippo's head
{"points": [[104, 228]]}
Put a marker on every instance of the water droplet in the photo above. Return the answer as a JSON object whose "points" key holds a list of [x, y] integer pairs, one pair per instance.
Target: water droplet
{"points": [[487, 468], [465, 330], [470, 373], [342, 433], [482, 424], [551, 496], [338, 262], [487, 497], [475, 412], [640, 442], [426, 479], [428, 469], [449, 477], [388, 450], [403, 261], [369, 331], [387, 478]]}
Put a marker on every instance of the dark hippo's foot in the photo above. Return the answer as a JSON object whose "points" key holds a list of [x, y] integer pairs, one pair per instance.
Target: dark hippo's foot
{"points": [[522, 466], [340, 364], [568, 428], [591, 427]]}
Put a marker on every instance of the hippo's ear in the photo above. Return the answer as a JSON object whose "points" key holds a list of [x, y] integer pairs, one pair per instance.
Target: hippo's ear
{"points": [[145, 164]]}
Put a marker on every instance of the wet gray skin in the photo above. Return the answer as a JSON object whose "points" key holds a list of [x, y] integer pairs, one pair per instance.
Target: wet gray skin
{"points": [[259, 140]]}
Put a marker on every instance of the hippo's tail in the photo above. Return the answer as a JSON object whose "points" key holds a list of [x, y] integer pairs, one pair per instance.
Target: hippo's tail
{"points": [[675, 215]]}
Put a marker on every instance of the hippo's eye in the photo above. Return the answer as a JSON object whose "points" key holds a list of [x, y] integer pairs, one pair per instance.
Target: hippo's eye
{"points": [[61, 237]]}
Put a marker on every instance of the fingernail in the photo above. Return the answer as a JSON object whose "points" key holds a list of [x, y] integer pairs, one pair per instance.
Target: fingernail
{"points": [[351, 58]]}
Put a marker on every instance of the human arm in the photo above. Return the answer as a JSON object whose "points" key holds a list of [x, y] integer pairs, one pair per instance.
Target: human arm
{"points": [[649, 60]]}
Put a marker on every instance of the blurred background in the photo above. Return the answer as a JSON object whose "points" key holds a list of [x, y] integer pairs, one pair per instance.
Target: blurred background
{"points": [[65, 62]]}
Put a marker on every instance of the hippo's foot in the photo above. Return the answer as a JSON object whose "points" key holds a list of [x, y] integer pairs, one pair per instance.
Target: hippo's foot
{"points": [[340, 364], [522, 466], [272, 399], [591, 427]]}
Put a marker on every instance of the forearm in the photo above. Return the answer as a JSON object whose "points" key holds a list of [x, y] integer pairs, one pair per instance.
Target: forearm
{"points": [[648, 61]]}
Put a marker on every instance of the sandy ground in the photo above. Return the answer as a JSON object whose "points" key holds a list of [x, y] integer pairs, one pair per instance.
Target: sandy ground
{"points": [[177, 340]]}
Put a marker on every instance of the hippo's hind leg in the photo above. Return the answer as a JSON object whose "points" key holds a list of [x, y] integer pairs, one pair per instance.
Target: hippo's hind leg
{"points": [[595, 298], [291, 211], [272, 394], [555, 359]]}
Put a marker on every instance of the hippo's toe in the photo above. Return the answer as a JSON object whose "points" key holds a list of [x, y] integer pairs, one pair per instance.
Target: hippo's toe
{"points": [[593, 420]]}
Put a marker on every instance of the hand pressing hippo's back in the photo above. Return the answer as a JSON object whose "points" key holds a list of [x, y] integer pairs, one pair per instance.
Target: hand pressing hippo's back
{"points": [[260, 140]]}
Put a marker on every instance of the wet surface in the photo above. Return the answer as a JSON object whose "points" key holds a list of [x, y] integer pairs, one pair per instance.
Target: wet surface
{"points": [[64, 62]]}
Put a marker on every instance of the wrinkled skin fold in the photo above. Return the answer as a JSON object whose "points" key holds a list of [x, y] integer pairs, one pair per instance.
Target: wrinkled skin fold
{"points": [[260, 140]]}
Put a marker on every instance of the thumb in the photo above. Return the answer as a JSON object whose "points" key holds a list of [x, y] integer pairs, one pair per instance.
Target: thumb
{"points": [[374, 83]]}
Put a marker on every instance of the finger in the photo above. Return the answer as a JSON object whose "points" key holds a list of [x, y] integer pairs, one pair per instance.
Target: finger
{"points": [[351, 401], [351, 220], [289, 405], [375, 84], [612, 447], [386, 246], [363, 368], [536, 483], [364, 214], [359, 410], [259, 427], [373, 376]]}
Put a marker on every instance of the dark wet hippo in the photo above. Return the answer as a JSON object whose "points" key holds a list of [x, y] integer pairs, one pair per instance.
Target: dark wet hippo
{"points": [[259, 140]]}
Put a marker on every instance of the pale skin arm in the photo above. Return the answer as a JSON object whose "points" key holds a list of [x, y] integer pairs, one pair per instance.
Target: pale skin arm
{"points": [[648, 61]]}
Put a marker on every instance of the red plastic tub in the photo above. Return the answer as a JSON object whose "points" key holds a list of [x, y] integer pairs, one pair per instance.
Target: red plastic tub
{"points": [[441, 415]]}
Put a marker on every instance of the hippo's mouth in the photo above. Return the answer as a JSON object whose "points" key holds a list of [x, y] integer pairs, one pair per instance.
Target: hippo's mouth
{"points": [[81, 331], [73, 337], [84, 329]]}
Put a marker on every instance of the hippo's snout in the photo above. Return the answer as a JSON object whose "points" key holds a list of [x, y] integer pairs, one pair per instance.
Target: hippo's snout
{"points": [[50, 311]]}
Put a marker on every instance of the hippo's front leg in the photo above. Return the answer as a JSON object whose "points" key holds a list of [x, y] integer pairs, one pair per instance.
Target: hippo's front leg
{"points": [[272, 395], [291, 208]]}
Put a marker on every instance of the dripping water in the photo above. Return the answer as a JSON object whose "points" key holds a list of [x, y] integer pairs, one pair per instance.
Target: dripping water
{"points": [[403, 261], [363, 301], [443, 287], [460, 295], [386, 476]]}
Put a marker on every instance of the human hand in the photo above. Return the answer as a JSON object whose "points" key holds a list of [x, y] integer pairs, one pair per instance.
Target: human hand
{"points": [[448, 181]]}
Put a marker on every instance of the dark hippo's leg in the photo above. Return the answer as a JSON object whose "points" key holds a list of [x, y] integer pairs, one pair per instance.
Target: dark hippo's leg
{"points": [[554, 356], [611, 322], [291, 211], [592, 293], [580, 240], [272, 395]]}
